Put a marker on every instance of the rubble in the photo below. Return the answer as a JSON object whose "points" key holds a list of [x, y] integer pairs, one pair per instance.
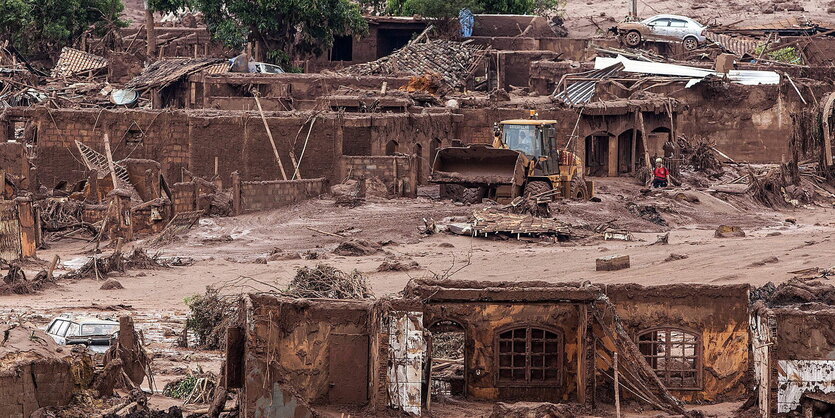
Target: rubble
{"points": [[454, 62], [612, 262]]}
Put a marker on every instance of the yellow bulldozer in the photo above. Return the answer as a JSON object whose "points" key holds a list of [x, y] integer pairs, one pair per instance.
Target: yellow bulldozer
{"points": [[523, 160]]}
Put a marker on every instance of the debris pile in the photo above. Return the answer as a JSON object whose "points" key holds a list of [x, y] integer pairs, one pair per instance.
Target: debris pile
{"points": [[99, 267], [798, 290], [357, 248], [164, 72], [327, 282], [452, 61], [491, 221], [398, 264], [700, 156], [15, 282]]}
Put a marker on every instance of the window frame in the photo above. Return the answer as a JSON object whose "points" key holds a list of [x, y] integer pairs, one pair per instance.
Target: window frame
{"points": [[508, 382], [698, 356]]}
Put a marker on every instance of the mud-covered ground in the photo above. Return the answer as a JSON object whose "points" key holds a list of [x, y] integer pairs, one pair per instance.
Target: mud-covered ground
{"points": [[231, 253]]}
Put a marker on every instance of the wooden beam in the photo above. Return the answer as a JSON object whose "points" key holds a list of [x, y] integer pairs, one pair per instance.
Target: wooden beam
{"points": [[110, 162], [270, 135]]}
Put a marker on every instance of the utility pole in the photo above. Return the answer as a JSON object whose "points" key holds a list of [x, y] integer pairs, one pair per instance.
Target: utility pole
{"points": [[150, 32], [635, 9]]}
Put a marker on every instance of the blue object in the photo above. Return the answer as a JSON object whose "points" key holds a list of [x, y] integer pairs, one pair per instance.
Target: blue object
{"points": [[466, 19]]}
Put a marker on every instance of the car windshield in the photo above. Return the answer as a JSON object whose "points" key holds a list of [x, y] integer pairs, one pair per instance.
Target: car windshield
{"points": [[522, 138], [99, 329]]}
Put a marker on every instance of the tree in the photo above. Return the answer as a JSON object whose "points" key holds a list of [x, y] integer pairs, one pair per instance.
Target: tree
{"points": [[44, 26], [281, 29], [444, 9]]}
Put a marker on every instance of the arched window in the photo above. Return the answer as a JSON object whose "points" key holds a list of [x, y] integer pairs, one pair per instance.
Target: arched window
{"points": [[676, 356], [529, 356]]}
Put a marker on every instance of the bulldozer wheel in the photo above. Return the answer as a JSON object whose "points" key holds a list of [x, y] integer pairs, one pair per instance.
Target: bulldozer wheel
{"points": [[468, 195], [472, 195], [578, 189], [533, 188]]}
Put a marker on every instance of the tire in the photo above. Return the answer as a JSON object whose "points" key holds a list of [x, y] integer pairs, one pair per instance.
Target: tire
{"points": [[690, 43], [577, 189], [533, 188], [473, 195], [468, 195], [632, 38]]}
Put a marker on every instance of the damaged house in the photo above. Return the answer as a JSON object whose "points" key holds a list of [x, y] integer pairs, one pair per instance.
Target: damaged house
{"points": [[531, 341]]}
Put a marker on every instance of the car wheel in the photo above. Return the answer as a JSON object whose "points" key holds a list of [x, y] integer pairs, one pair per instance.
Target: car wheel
{"points": [[690, 44], [632, 38]]}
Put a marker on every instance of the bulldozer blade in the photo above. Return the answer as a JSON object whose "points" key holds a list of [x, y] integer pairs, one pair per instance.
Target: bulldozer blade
{"points": [[478, 166]]}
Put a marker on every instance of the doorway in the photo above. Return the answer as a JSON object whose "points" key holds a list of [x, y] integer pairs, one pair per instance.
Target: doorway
{"points": [[446, 375], [597, 155]]}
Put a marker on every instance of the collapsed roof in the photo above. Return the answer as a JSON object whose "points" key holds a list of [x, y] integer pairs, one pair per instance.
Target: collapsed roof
{"points": [[164, 72], [453, 61]]}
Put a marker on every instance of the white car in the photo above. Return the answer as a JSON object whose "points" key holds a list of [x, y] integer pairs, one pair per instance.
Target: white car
{"points": [[96, 334], [663, 28]]}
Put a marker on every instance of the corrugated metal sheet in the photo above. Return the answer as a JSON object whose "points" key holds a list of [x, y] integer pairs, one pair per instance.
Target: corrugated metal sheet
{"points": [[746, 77], [407, 352], [735, 44], [73, 61], [796, 377], [582, 91]]}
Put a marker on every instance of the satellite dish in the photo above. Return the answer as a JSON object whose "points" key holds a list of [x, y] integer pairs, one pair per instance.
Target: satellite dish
{"points": [[123, 96]]}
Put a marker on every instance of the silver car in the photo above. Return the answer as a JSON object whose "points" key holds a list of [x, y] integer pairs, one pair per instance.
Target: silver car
{"points": [[94, 333], [663, 28]]}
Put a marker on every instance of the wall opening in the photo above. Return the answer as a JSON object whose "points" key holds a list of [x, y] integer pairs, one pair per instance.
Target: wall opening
{"points": [[675, 355], [447, 378], [391, 147], [630, 150], [343, 48], [389, 40], [597, 155]]}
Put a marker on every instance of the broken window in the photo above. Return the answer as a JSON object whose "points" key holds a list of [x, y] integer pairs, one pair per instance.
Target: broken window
{"points": [[529, 355], [675, 355]]}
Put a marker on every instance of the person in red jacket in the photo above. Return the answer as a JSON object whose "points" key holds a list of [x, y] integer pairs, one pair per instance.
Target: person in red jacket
{"points": [[660, 174]]}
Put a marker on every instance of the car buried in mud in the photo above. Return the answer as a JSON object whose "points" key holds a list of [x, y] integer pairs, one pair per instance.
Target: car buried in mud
{"points": [[662, 28], [94, 333]]}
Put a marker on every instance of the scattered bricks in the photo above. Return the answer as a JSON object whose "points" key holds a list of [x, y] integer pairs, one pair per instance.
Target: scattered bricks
{"points": [[727, 231], [613, 262]]}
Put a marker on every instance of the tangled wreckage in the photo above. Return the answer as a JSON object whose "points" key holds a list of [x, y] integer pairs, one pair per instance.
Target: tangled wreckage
{"points": [[113, 148]]}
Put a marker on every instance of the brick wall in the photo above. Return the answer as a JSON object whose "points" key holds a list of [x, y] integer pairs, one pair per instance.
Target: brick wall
{"points": [[265, 195], [184, 196], [398, 172]]}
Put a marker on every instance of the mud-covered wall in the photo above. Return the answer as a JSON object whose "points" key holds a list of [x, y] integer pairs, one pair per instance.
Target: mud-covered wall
{"points": [[803, 335], [483, 321], [719, 316], [209, 143], [297, 345]]}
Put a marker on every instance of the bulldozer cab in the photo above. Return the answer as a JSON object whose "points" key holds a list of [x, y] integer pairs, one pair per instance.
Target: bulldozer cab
{"points": [[534, 138]]}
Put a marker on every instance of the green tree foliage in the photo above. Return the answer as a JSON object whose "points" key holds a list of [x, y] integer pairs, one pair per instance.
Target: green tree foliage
{"points": [[284, 29], [440, 9], [44, 26]]}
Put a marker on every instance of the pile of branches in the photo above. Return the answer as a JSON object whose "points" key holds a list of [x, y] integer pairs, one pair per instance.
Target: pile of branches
{"points": [[211, 313], [699, 155], [15, 282], [327, 282], [194, 388], [99, 267]]}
